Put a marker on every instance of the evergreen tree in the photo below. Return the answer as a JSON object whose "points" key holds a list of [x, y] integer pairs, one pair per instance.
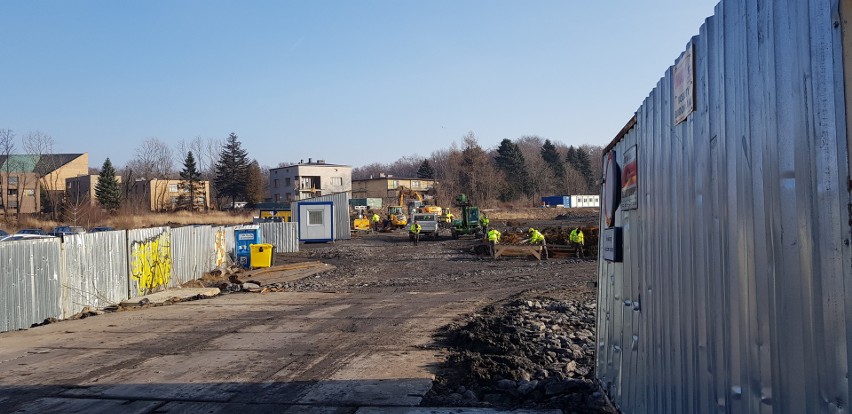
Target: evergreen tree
{"points": [[426, 170], [571, 157], [511, 162], [254, 184], [584, 166], [108, 191], [190, 184], [231, 170], [552, 159]]}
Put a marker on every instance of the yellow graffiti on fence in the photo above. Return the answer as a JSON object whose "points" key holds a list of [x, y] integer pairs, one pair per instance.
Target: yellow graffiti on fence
{"points": [[221, 252], [151, 263]]}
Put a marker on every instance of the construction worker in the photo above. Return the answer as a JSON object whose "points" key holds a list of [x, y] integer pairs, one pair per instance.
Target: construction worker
{"points": [[537, 238], [449, 216], [415, 232], [493, 239], [483, 221], [579, 241], [375, 219]]}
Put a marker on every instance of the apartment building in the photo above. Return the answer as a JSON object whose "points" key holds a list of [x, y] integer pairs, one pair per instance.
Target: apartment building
{"points": [[164, 195], [308, 180]]}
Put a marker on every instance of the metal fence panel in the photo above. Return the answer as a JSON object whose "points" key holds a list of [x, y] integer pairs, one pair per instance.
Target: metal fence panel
{"points": [[734, 291], [150, 258], [29, 279], [193, 253], [342, 227], [284, 236], [95, 271]]}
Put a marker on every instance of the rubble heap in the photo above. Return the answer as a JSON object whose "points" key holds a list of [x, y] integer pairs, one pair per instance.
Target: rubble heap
{"points": [[535, 353]]}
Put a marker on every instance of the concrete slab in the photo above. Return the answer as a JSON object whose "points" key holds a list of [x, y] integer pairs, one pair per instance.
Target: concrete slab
{"points": [[167, 295]]}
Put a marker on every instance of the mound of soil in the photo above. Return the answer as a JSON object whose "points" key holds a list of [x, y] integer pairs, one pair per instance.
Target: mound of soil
{"points": [[535, 353]]}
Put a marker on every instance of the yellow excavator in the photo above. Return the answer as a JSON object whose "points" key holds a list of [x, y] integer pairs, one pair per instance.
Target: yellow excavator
{"points": [[397, 214]]}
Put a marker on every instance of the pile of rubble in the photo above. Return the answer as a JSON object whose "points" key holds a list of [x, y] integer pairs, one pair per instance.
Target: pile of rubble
{"points": [[525, 354]]}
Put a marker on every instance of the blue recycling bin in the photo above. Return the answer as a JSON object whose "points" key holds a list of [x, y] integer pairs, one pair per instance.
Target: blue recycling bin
{"points": [[243, 239]]}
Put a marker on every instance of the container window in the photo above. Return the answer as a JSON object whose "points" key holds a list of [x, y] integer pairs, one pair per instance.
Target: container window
{"points": [[315, 218]]}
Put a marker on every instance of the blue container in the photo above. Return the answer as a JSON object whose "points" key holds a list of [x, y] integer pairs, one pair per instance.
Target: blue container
{"points": [[556, 201], [243, 239]]}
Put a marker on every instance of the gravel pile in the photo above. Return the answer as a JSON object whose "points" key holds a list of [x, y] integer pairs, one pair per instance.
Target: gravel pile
{"points": [[535, 353]]}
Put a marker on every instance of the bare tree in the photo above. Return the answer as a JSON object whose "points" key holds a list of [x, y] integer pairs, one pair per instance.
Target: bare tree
{"points": [[41, 147], [154, 159], [7, 148], [205, 151]]}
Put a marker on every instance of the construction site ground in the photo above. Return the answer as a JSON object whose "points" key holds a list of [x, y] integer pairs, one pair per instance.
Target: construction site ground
{"points": [[372, 324]]}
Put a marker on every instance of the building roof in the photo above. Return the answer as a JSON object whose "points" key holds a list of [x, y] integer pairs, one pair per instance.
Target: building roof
{"points": [[394, 178], [40, 164], [312, 164]]}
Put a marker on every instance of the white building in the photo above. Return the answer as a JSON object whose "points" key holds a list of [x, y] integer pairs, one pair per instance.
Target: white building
{"points": [[308, 180]]}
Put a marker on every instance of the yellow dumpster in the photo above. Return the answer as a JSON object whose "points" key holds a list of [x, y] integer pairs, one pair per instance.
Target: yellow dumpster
{"points": [[261, 255]]}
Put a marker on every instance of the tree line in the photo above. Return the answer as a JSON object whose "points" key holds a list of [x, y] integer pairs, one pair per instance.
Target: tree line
{"points": [[516, 171], [232, 175]]}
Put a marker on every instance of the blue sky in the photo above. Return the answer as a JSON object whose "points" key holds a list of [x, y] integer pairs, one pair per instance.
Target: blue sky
{"points": [[351, 82]]}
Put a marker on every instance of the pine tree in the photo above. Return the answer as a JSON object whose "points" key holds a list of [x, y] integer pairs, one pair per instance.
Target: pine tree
{"points": [[232, 170], [584, 166], [511, 162], [552, 158], [108, 191], [254, 184], [426, 170], [191, 186], [571, 157]]}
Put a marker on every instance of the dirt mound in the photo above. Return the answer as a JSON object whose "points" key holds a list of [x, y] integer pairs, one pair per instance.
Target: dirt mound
{"points": [[536, 353]]}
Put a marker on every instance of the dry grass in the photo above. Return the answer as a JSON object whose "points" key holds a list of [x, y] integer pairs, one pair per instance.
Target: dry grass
{"points": [[537, 213], [134, 221]]}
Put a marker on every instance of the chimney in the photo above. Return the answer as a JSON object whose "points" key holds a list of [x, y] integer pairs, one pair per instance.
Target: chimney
{"points": [[301, 161], [309, 160]]}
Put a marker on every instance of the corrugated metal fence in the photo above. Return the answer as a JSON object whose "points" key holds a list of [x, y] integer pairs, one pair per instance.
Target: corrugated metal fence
{"points": [[42, 279], [734, 294], [95, 270], [29, 280], [284, 236]]}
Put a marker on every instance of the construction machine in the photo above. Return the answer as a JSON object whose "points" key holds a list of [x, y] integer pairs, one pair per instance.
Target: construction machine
{"points": [[397, 214], [468, 220]]}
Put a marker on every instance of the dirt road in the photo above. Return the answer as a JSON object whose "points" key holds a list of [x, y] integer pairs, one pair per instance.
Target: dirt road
{"points": [[361, 335]]}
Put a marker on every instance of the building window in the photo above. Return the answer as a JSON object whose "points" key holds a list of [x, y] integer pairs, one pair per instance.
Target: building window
{"points": [[394, 183], [415, 184], [338, 181], [173, 188], [277, 197], [13, 180], [315, 217], [275, 183], [13, 192], [29, 192], [287, 182]]}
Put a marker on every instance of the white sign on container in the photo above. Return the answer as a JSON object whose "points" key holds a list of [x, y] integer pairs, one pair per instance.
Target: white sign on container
{"points": [[684, 86]]}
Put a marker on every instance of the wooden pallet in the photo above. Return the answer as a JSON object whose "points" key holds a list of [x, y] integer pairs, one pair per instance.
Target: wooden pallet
{"points": [[517, 250]]}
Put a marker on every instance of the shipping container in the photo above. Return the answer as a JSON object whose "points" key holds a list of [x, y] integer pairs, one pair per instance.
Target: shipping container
{"points": [[554, 201]]}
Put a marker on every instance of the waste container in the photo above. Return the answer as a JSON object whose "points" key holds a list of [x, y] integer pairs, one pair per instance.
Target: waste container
{"points": [[261, 255]]}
